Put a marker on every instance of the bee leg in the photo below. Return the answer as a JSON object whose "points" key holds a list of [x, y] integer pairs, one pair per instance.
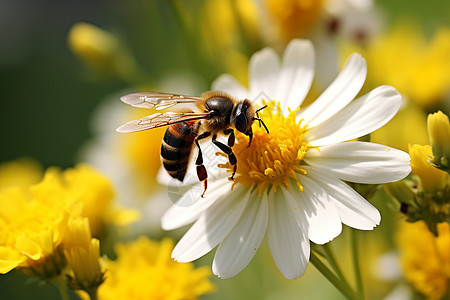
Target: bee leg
{"points": [[228, 151], [250, 137], [231, 138], [201, 170]]}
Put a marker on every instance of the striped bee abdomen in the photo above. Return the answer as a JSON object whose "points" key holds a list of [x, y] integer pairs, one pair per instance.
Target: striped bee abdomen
{"points": [[176, 147]]}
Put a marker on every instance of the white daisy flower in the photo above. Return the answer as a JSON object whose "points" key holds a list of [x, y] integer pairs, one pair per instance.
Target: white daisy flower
{"points": [[290, 182]]}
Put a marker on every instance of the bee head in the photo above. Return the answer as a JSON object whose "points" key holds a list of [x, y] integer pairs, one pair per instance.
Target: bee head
{"points": [[243, 116]]}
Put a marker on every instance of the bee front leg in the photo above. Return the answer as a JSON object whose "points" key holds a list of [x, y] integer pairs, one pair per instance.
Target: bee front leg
{"points": [[201, 170], [231, 138], [227, 150]]}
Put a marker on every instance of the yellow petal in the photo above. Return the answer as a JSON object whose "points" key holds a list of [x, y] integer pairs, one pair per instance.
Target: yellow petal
{"points": [[9, 259], [36, 246], [430, 177]]}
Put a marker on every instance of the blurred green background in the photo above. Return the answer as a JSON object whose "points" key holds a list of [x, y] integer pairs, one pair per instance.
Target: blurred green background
{"points": [[47, 95]]}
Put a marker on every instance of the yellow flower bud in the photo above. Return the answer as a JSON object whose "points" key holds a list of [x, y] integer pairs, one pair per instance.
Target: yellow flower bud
{"points": [[430, 177], [95, 46], [439, 132], [101, 50]]}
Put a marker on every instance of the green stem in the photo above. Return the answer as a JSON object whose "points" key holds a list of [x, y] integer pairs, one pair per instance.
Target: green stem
{"points": [[356, 265], [61, 285], [332, 260], [342, 286]]}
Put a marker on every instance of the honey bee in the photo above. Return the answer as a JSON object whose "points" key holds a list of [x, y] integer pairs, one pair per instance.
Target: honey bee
{"points": [[191, 119]]}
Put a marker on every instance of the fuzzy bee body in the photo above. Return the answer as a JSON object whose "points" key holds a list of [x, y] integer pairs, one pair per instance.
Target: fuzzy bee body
{"points": [[191, 119], [176, 148]]}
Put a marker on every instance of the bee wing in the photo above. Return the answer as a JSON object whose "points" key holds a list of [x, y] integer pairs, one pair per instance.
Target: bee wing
{"points": [[160, 119], [159, 101]]}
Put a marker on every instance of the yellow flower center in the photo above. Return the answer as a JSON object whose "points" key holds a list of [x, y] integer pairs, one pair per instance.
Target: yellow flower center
{"points": [[273, 158]]}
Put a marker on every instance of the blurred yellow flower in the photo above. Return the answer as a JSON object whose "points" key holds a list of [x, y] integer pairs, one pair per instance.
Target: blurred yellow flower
{"points": [[21, 172], [95, 191], [425, 258], [439, 132], [294, 17], [418, 68], [431, 178], [143, 151], [83, 256], [226, 33], [34, 220], [145, 270], [33, 227]]}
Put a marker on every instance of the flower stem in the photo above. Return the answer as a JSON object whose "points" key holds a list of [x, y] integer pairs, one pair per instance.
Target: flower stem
{"points": [[60, 284], [332, 260], [356, 265], [341, 285]]}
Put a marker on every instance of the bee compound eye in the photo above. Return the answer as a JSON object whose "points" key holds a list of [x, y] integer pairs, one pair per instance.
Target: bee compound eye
{"points": [[241, 122]]}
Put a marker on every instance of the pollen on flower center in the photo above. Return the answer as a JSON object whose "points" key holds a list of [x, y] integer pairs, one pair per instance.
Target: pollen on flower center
{"points": [[273, 158]]}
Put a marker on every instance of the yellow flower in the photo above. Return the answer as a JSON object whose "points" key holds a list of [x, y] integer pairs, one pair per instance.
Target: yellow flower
{"points": [[439, 132], [294, 17], [21, 173], [227, 28], [34, 221], [96, 193], [418, 68], [432, 179], [83, 256], [32, 226], [425, 258], [145, 270]]}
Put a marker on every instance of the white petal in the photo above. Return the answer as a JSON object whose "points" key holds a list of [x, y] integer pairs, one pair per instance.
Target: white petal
{"points": [[341, 92], [361, 162], [239, 247], [315, 213], [264, 68], [212, 226], [362, 116], [229, 84], [296, 75], [353, 209], [288, 244], [190, 206]]}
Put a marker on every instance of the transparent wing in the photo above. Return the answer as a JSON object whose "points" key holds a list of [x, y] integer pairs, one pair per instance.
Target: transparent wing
{"points": [[159, 101], [160, 119]]}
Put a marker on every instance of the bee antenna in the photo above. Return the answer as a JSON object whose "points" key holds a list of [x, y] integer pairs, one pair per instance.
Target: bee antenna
{"points": [[259, 109], [261, 122], [259, 119]]}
